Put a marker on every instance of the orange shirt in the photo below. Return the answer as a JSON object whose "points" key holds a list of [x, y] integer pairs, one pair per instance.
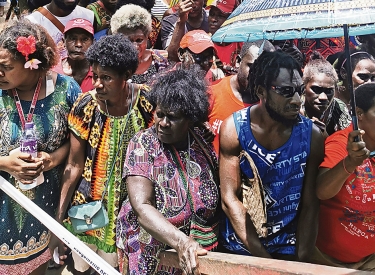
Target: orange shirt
{"points": [[223, 104], [347, 221]]}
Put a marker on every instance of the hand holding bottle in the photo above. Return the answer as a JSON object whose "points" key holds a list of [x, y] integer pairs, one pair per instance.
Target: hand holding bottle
{"points": [[22, 166]]}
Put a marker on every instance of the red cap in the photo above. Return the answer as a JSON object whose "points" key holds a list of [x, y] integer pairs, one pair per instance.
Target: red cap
{"points": [[197, 41], [79, 23], [226, 6]]}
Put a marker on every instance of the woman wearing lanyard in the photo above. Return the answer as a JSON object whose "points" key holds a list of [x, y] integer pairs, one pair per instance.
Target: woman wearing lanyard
{"points": [[30, 93]]}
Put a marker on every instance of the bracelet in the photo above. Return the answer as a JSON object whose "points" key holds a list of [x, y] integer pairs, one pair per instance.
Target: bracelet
{"points": [[346, 170]]}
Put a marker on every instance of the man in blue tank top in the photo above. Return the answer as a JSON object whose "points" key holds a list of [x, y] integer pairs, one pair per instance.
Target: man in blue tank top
{"points": [[287, 150]]}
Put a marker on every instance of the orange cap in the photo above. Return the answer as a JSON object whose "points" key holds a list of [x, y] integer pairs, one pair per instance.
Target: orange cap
{"points": [[197, 41]]}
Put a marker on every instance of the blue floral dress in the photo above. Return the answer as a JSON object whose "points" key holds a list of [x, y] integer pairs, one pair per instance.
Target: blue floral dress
{"points": [[23, 238]]}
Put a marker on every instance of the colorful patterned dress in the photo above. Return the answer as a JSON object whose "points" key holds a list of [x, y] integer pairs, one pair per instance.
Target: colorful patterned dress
{"points": [[23, 238], [103, 134], [179, 200], [102, 16], [156, 28]]}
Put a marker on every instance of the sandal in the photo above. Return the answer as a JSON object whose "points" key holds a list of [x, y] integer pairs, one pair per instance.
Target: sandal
{"points": [[53, 265]]}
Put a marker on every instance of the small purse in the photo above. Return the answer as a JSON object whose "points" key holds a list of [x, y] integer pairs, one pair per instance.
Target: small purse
{"points": [[88, 216], [93, 215], [253, 198], [205, 235]]}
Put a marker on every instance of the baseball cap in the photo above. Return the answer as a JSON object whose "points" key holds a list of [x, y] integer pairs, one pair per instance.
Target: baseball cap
{"points": [[226, 6], [79, 23], [197, 41]]}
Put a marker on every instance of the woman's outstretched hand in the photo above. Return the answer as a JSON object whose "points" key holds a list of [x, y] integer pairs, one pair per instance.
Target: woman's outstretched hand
{"points": [[188, 251]]}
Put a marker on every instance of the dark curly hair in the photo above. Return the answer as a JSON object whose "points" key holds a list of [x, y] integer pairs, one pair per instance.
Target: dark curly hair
{"points": [[318, 64], [355, 57], [182, 91], [46, 51], [114, 51], [365, 96], [266, 69]]}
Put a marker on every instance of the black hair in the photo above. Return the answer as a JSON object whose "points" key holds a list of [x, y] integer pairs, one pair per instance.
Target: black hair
{"points": [[365, 96], [365, 42], [45, 47], [356, 57], [266, 47], [182, 91], [266, 69], [318, 64], [114, 51]]}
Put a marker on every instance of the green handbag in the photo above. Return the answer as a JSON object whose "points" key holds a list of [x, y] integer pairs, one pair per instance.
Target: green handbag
{"points": [[88, 216]]}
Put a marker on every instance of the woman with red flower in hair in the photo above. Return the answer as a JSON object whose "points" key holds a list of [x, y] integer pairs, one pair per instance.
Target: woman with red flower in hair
{"points": [[29, 92]]}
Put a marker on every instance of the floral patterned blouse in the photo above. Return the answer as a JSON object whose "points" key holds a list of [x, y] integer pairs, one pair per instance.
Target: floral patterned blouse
{"points": [[180, 198], [23, 238]]}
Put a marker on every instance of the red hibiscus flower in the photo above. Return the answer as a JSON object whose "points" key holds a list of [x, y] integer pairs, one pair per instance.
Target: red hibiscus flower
{"points": [[26, 45]]}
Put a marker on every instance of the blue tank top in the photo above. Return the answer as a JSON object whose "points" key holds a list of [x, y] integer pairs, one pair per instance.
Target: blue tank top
{"points": [[282, 172]]}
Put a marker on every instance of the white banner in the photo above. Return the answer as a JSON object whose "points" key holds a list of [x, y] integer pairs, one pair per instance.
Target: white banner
{"points": [[93, 259]]}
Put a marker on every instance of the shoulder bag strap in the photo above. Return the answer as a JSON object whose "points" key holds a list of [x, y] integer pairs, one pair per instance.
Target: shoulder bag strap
{"points": [[208, 156], [52, 18], [183, 175]]}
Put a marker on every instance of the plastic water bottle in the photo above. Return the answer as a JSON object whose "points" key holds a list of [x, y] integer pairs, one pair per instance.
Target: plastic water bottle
{"points": [[29, 145]]}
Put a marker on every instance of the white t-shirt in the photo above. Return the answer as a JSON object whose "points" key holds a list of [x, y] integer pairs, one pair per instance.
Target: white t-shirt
{"points": [[57, 36], [159, 8]]}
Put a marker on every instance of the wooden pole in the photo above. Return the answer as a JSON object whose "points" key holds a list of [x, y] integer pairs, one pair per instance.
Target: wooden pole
{"points": [[215, 263]]}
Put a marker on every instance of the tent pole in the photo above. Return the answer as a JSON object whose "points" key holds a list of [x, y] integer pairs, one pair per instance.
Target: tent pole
{"points": [[348, 67]]}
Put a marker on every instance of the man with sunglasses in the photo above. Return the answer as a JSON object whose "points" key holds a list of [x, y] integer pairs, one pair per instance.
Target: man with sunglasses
{"points": [[286, 149], [197, 48], [231, 93]]}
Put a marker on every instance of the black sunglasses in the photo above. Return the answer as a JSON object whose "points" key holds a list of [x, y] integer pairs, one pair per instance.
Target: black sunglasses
{"points": [[319, 90], [288, 91], [202, 59], [366, 77]]}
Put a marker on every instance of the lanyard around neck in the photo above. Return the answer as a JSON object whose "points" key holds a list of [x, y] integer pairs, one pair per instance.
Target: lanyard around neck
{"points": [[32, 106]]}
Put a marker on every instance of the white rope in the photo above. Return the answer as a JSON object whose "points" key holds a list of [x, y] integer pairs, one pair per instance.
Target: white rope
{"points": [[93, 259]]}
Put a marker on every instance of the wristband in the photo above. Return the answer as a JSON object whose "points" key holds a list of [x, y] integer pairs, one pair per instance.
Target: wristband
{"points": [[346, 170]]}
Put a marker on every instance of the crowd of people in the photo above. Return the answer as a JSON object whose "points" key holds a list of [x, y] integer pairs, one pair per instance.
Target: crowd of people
{"points": [[184, 143]]}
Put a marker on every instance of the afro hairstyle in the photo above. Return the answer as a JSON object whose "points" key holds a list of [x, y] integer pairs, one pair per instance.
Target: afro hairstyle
{"points": [[183, 91], [114, 51]]}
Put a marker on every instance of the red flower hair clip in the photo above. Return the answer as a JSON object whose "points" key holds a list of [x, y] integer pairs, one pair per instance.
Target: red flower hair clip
{"points": [[26, 46]]}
